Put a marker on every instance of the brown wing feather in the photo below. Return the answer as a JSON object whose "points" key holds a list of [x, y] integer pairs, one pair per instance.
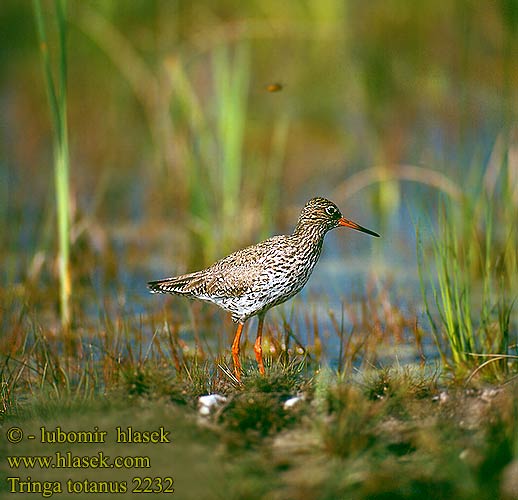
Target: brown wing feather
{"points": [[221, 284], [231, 276], [186, 284], [216, 283]]}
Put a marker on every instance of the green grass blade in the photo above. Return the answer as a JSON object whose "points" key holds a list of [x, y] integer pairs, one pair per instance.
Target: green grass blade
{"points": [[57, 104]]}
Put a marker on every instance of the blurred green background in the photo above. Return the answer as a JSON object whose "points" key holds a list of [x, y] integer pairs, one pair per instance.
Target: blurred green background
{"points": [[180, 151]]}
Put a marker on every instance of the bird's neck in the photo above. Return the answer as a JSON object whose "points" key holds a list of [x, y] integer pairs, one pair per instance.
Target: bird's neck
{"points": [[310, 234]]}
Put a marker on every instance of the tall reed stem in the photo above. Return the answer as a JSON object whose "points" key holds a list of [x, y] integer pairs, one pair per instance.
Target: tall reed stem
{"points": [[58, 106]]}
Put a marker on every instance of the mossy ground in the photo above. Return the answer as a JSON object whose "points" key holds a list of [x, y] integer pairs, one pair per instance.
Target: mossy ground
{"points": [[390, 433]]}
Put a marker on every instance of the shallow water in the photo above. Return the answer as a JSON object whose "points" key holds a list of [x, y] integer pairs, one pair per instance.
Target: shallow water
{"points": [[353, 267], [358, 276]]}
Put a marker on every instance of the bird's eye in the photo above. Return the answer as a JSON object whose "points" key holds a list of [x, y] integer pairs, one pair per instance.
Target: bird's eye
{"points": [[331, 210]]}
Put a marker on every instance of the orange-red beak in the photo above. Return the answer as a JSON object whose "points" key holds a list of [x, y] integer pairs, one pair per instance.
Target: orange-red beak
{"points": [[349, 223]]}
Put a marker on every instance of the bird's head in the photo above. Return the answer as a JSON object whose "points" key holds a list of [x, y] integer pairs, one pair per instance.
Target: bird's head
{"points": [[322, 213]]}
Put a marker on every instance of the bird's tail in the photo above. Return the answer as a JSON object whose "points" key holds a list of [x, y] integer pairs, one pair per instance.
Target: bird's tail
{"points": [[182, 285]]}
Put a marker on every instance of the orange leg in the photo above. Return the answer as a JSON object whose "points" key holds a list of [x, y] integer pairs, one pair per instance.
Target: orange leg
{"points": [[257, 346], [235, 351]]}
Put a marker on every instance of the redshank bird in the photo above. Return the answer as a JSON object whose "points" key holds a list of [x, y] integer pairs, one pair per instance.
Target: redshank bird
{"points": [[251, 281]]}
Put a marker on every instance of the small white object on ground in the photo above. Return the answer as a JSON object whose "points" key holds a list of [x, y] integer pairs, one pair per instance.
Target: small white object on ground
{"points": [[207, 404], [290, 403]]}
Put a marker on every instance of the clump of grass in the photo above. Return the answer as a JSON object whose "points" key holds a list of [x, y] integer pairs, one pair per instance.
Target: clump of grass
{"points": [[352, 412], [349, 426], [399, 381], [475, 286], [251, 416], [256, 410], [281, 379], [195, 379]]}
